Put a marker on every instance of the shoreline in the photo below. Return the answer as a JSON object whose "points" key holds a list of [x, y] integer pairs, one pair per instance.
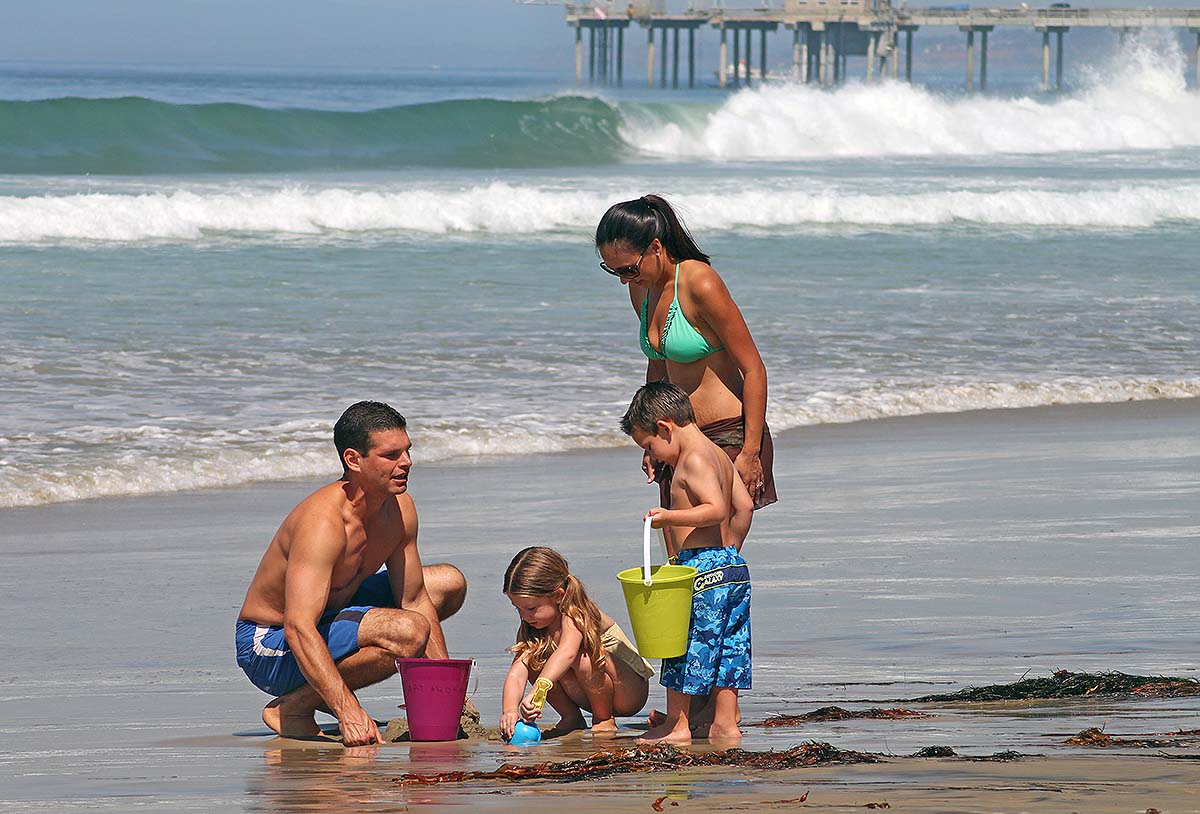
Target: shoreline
{"points": [[1164, 407], [951, 550]]}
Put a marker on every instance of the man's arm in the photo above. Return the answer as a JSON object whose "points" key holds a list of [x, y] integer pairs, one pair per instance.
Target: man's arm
{"points": [[404, 567], [317, 545]]}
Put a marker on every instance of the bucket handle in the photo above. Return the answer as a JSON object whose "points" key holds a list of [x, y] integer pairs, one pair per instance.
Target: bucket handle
{"points": [[646, 534]]}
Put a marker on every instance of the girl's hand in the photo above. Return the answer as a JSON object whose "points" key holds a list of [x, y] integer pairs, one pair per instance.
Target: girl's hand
{"points": [[508, 722], [528, 711], [657, 517]]}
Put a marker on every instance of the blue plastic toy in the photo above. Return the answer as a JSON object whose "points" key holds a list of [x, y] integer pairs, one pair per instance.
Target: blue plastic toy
{"points": [[526, 734]]}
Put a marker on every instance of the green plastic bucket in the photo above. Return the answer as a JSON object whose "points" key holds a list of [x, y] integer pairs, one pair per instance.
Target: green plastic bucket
{"points": [[659, 599]]}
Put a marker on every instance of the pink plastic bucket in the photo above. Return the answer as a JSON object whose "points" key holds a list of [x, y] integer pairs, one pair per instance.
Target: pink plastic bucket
{"points": [[434, 693]]}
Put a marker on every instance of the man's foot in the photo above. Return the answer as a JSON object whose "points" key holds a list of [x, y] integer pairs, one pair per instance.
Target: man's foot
{"points": [[288, 723], [677, 734]]}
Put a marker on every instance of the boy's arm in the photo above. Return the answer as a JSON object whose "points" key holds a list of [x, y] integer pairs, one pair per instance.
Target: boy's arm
{"points": [[709, 506]]}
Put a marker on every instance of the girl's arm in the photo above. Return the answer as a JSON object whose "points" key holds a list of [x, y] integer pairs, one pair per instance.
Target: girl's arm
{"points": [[565, 654], [514, 687]]}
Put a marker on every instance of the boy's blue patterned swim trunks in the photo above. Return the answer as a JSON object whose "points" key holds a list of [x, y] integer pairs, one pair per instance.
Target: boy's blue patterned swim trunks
{"points": [[718, 653]]}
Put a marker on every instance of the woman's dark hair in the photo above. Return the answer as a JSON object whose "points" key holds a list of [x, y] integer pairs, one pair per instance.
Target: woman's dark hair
{"points": [[636, 223]]}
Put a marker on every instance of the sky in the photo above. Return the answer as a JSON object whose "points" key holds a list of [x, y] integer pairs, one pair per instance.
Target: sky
{"points": [[314, 33]]}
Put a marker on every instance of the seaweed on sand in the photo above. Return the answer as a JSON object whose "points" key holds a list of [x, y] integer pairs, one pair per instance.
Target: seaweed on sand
{"points": [[659, 757], [837, 714], [1065, 684], [1097, 737]]}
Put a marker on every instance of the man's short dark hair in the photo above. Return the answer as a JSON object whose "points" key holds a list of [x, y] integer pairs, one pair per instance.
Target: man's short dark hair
{"points": [[654, 402], [353, 430]]}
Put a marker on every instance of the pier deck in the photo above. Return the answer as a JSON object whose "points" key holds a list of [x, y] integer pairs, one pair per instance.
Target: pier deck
{"points": [[825, 34]]}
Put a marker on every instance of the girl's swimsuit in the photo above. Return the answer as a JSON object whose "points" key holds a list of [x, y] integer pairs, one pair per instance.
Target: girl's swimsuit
{"points": [[680, 342]]}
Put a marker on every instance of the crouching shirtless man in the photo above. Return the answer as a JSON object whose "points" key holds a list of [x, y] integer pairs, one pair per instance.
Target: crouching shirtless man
{"points": [[318, 621]]}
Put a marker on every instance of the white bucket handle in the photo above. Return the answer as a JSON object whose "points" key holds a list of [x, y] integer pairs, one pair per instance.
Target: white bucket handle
{"points": [[646, 535], [475, 674]]}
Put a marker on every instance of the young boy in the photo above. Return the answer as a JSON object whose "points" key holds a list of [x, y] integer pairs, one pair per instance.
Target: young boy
{"points": [[702, 510]]}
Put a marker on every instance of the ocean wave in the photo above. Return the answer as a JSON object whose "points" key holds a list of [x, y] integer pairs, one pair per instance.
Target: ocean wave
{"points": [[507, 209], [136, 136], [136, 460], [1139, 102]]}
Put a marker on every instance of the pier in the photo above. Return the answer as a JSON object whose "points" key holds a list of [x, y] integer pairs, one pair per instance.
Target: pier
{"points": [[826, 32]]}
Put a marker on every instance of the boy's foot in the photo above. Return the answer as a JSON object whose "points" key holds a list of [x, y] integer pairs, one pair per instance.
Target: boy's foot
{"points": [[289, 723], [656, 718], [676, 734]]}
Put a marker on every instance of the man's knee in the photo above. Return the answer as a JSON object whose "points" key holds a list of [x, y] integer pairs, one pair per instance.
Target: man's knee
{"points": [[447, 588], [400, 632]]}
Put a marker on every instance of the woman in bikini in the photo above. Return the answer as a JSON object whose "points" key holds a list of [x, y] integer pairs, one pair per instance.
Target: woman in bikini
{"points": [[693, 335]]}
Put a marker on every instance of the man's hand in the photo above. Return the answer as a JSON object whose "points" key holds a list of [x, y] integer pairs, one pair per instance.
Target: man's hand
{"points": [[358, 728]]}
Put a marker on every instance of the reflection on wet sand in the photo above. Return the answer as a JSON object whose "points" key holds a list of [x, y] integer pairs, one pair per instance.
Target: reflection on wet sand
{"points": [[296, 778]]}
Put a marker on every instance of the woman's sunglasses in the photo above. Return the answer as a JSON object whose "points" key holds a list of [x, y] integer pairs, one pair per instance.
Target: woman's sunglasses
{"points": [[626, 272]]}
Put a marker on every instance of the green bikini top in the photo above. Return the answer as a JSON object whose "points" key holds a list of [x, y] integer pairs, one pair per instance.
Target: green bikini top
{"points": [[680, 342]]}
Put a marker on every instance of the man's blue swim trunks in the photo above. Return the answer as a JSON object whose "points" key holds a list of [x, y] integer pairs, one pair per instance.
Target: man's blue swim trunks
{"points": [[263, 652], [718, 653]]}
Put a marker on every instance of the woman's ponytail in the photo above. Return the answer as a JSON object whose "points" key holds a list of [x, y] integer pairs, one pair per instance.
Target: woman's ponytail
{"points": [[638, 222]]}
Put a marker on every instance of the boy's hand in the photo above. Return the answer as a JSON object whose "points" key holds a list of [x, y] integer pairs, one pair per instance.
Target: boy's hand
{"points": [[648, 467], [657, 517], [508, 722]]}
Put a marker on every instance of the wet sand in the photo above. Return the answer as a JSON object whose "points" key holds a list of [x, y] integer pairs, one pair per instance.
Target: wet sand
{"points": [[906, 556]]}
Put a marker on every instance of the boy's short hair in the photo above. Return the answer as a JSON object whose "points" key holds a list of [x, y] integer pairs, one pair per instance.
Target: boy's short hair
{"points": [[654, 402]]}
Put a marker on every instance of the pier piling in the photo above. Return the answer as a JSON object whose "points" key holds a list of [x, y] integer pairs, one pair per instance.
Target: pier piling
{"points": [[825, 35]]}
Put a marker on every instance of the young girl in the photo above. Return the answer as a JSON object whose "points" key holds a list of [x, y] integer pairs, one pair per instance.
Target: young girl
{"points": [[565, 638]]}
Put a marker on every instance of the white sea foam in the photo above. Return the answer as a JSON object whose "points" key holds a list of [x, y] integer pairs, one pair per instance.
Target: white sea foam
{"points": [[505, 209], [226, 458], [1138, 102]]}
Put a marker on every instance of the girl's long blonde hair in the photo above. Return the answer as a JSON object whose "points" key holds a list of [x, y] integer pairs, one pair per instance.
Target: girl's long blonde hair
{"points": [[539, 571]]}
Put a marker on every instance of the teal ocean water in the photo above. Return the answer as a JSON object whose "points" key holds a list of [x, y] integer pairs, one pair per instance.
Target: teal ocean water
{"points": [[201, 269]]}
